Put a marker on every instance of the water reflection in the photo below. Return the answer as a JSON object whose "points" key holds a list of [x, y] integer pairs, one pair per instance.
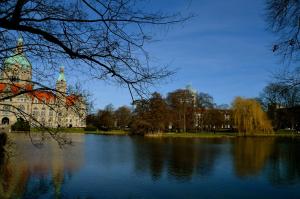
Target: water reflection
{"points": [[137, 167], [284, 165], [33, 172], [250, 154], [181, 159]]}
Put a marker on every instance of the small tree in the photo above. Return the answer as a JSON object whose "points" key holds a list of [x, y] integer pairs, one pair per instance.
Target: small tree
{"points": [[249, 118]]}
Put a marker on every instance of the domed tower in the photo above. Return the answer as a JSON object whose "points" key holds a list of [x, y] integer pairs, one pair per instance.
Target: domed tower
{"points": [[61, 84], [17, 68]]}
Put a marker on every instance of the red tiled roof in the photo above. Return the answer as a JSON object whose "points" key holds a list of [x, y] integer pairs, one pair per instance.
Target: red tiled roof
{"points": [[42, 96], [15, 88], [2, 87], [70, 100]]}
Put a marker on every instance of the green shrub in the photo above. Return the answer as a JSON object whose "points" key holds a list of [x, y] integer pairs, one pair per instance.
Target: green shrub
{"points": [[21, 125], [90, 128]]}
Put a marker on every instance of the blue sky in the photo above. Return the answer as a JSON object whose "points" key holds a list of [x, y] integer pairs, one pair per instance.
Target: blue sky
{"points": [[224, 50]]}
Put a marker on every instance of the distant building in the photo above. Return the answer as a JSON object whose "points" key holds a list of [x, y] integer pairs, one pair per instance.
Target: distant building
{"points": [[51, 109]]}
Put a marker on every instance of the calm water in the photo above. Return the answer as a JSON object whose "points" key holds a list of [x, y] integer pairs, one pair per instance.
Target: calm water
{"points": [[136, 167]]}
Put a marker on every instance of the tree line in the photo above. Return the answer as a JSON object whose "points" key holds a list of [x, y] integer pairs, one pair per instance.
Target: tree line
{"points": [[182, 110]]}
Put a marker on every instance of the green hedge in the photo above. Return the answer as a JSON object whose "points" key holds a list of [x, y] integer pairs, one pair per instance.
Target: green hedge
{"points": [[90, 128]]}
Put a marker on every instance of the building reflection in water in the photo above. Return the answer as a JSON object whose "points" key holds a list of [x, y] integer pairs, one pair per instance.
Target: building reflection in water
{"points": [[33, 172]]}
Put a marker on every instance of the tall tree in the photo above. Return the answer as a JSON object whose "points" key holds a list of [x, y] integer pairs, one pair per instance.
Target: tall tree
{"points": [[151, 115], [123, 117], [182, 103], [204, 100], [249, 118], [158, 113], [106, 118], [281, 95], [140, 121]]}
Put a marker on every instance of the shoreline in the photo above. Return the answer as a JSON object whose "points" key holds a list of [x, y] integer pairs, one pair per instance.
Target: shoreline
{"points": [[174, 135], [217, 135]]}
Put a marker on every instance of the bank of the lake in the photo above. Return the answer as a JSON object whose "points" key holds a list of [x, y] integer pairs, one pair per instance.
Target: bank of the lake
{"points": [[80, 130], [219, 135], [281, 133]]}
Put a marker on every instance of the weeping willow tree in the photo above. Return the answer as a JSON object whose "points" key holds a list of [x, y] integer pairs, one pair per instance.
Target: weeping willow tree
{"points": [[249, 118]]}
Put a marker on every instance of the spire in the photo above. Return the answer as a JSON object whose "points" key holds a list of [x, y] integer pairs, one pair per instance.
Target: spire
{"points": [[61, 84], [20, 45], [61, 76]]}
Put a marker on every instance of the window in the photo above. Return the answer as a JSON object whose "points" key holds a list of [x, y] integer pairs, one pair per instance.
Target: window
{"points": [[35, 112], [6, 108], [43, 112], [21, 107], [14, 78]]}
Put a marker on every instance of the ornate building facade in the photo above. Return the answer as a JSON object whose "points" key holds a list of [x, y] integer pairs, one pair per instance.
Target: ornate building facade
{"points": [[20, 97]]}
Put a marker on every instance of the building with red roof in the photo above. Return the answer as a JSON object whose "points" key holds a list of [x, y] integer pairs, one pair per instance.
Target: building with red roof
{"points": [[41, 106]]}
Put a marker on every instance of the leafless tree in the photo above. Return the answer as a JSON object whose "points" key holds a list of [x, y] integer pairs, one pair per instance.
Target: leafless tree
{"points": [[101, 39], [283, 17], [105, 38]]}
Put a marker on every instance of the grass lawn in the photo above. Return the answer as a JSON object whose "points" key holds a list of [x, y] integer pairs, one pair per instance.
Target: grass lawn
{"points": [[221, 135], [81, 130]]}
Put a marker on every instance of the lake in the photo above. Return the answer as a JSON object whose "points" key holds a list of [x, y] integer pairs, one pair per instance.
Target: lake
{"points": [[135, 167]]}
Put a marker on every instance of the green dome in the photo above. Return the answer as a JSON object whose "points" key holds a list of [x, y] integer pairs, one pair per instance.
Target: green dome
{"points": [[18, 59]]}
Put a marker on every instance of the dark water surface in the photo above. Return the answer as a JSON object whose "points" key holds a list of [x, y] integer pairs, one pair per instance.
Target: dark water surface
{"points": [[136, 167]]}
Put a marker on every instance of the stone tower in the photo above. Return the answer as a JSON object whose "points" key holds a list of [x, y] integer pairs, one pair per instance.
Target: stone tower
{"points": [[17, 68], [61, 84]]}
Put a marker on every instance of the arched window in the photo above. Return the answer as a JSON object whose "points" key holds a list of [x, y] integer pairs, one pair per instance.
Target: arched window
{"points": [[5, 121]]}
